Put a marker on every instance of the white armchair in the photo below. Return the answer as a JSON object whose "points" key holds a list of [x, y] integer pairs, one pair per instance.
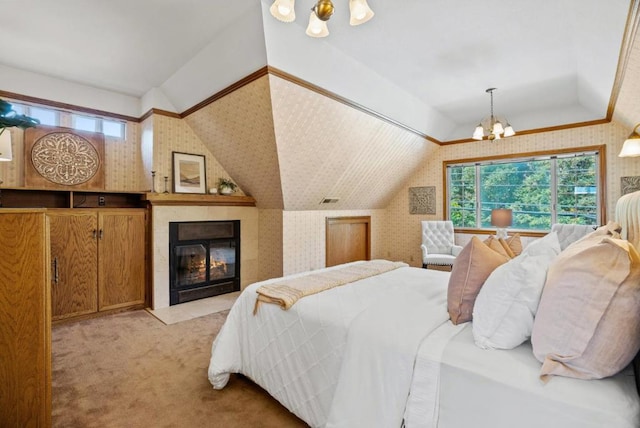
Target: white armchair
{"points": [[438, 244], [569, 233]]}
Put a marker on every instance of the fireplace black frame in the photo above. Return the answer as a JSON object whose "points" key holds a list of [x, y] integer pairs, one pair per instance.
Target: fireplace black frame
{"points": [[181, 293]]}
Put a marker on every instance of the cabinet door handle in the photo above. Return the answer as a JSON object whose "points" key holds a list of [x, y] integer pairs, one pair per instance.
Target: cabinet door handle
{"points": [[56, 276], [100, 234], [95, 234]]}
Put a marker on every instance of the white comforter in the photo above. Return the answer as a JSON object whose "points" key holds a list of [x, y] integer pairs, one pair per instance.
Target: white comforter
{"points": [[340, 358]]}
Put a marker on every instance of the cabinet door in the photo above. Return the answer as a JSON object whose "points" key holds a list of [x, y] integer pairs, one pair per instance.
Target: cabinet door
{"points": [[121, 258], [74, 258], [25, 324]]}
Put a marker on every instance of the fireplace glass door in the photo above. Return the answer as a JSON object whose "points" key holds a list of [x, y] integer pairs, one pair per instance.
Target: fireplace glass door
{"points": [[204, 259], [191, 263]]}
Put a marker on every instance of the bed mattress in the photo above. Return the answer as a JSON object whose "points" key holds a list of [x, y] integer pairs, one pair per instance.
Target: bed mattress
{"points": [[498, 388]]}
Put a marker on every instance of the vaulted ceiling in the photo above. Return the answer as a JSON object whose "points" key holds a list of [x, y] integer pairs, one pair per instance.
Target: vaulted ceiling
{"points": [[422, 65]]}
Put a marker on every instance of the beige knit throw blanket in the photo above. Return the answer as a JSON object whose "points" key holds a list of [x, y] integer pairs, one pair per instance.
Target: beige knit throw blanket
{"points": [[288, 291]]}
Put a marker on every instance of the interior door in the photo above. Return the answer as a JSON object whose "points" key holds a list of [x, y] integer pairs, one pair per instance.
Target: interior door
{"points": [[74, 276], [348, 239]]}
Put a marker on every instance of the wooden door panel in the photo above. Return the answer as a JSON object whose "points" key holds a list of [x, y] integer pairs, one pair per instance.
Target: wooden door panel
{"points": [[121, 259], [348, 240], [25, 325], [74, 252]]}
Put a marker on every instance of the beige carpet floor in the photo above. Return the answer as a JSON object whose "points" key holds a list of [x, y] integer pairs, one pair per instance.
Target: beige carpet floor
{"points": [[131, 370]]}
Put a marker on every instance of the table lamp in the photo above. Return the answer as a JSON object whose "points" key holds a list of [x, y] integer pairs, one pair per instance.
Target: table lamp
{"points": [[501, 218]]}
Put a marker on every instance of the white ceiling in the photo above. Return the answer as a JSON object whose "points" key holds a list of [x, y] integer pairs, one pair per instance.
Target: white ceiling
{"points": [[425, 64]]}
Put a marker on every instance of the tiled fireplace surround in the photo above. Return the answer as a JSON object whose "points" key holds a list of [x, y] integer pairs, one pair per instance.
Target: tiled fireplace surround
{"points": [[162, 215]]}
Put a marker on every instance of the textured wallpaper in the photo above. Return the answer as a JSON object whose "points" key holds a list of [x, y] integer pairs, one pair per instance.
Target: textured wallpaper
{"points": [[270, 243], [122, 162], [175, 135], [304, 237], [404, 230], [238, 129], [327, 149]]}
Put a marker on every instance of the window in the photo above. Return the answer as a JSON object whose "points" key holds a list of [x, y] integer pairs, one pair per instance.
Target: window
{"points": [[51, 117], [84, 123], [44, 115], [541, 190], [111, 128]]}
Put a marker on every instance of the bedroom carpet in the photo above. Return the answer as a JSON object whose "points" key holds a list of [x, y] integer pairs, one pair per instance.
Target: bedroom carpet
{"points": [[131, 370]]}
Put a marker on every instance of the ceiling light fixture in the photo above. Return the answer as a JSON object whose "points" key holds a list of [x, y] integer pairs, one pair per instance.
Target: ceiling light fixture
{"points": [[321, 12], [492, 126], [631, 146]]}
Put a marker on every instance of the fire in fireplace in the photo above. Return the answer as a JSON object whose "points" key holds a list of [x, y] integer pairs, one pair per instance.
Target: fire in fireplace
{"points": [[204, 259]]}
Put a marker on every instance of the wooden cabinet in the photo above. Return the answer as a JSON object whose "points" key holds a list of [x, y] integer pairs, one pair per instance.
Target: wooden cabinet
{"points": [[98, 260], [25, 319]]}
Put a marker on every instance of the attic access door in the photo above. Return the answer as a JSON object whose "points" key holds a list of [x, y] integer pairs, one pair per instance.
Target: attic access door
{"points": [[348, 239]]}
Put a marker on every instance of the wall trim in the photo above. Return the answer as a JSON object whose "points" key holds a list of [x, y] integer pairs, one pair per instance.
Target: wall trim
{"points": [[64, 106]]}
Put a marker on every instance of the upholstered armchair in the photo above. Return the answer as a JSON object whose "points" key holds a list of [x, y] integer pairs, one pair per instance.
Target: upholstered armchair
{"points": [[569, 233], [438, 243]]}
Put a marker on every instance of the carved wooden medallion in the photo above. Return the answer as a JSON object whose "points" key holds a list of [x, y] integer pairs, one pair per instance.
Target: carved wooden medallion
{"points": [[63, 157]]}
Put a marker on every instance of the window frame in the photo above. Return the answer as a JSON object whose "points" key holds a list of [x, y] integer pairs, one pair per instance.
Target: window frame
{"points": [[602, 181], [70, 116]]}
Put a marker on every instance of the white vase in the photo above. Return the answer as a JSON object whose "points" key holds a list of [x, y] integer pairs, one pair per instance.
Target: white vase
{"points": [[225, 190]]}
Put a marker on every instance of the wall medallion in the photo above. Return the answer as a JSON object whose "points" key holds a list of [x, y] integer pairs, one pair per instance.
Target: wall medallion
{"points": [[57, 157], [422, 200]]}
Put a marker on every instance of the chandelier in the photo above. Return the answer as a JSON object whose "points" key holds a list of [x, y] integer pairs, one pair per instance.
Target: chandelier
{"points": [[283, 10], [492, 127]]}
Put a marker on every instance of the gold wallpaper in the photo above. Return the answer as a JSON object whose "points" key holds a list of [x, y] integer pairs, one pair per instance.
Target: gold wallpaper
{"points": [[238, 128], [122, 159], [328, 149], [304, 237], [270, 244], [627, 110], [175, 135], [403, 235]]}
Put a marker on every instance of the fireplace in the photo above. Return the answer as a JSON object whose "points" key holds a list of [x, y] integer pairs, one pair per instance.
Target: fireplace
{"points": [[204, 259]]}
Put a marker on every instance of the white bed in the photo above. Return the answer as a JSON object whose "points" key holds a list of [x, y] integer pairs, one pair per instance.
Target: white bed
{"points": [[381, 352]]}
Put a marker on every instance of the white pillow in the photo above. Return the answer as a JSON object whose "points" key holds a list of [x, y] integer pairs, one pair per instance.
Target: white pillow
{"points": [[507, 303]]}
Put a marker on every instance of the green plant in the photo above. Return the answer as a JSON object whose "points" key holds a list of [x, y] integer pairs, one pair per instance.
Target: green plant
{"points": [[226, 182], [9, 118]]}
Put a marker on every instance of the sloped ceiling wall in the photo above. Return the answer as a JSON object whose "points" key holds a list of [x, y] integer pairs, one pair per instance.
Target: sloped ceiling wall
{"points": [[627, 108], [290, 147], [327, 149], [238, 129]]}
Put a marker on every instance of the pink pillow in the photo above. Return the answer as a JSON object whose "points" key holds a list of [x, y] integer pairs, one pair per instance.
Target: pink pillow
{"points": [[471, 269], [588, 321]]}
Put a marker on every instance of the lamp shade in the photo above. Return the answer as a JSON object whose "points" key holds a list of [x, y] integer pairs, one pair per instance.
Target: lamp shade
{"points": [[631, 146], [283, 10], [508, 131], [501, 217], [317, 27], [360, 12], [6, 153], [478, 134]]}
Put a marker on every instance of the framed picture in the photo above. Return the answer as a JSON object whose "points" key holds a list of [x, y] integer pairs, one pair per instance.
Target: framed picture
{"points": [[189, 173]]}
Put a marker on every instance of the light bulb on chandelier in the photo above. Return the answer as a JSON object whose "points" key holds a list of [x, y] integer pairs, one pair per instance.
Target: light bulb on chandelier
{"points": [[492, 126], [321, 12]]}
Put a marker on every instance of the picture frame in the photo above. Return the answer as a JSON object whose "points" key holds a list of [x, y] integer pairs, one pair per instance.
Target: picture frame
{"points": [[189, 173]]}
